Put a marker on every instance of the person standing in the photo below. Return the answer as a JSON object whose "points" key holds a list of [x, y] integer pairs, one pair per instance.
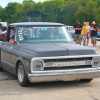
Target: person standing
{"points": [[88, 33], [77, 28], [94, 34], [84, 31]]}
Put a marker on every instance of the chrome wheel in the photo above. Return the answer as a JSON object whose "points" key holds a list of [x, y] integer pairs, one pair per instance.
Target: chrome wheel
{"points": [[20, 74]]}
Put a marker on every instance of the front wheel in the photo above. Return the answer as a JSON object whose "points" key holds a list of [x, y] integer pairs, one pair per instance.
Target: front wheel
{"points": [[86, 80], [22, 78]]}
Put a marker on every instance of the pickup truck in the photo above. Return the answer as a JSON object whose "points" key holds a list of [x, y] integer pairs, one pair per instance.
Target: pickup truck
{"points": [[44, 52]]}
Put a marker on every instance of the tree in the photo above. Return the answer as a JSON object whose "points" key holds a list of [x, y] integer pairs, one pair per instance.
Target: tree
{"points": [[62, 11], [38, 12], [68, 14], [53, 9], [88, 12], [10, 11], [1, 13]]}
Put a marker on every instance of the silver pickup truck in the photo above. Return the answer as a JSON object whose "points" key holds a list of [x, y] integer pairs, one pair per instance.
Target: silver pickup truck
{"points": [[43, 52]]}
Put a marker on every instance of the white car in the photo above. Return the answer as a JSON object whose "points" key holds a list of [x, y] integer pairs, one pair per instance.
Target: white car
{"points": [[71, 31]]}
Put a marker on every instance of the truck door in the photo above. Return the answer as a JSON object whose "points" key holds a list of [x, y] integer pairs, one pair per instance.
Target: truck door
{"points": [[6, 51]]}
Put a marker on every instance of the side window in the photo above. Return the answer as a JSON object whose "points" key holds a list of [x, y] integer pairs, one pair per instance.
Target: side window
{"points": [[12, 33]]}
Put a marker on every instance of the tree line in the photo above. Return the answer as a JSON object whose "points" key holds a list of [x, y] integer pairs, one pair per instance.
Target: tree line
{"points": [[61, 11]]}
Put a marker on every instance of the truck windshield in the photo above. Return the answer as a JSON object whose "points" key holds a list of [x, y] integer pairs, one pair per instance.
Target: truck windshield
{"points": [[43, 34]]}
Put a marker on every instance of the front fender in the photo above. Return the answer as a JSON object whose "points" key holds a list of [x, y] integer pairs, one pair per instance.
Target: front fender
{"points": [[26, 64]]}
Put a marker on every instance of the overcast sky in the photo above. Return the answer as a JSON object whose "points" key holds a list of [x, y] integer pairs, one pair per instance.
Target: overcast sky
{"points": [[3, 3]]}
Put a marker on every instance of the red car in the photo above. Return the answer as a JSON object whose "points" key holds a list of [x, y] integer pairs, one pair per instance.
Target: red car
{"points": [[98, 33]]}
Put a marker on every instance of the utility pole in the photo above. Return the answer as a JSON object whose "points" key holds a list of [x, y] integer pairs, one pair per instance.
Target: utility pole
{"points": [[30, 18]]}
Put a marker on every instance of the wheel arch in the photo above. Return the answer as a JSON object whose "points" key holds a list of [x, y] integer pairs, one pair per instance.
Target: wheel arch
{"points": [[22, 61], [25, 81], [17, 65]]}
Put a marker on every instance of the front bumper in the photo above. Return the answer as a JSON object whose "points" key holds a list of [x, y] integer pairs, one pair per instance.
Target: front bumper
{"points": [[64, 75]]}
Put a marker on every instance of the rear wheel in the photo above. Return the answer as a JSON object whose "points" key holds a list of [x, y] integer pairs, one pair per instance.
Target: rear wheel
{"points": [[86, 80], [22, 78]]}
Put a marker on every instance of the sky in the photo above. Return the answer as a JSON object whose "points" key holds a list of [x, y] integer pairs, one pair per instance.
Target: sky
{"points": [[3, 3]]}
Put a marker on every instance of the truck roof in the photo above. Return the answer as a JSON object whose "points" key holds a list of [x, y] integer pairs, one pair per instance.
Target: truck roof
{"points": [[37, 23]]}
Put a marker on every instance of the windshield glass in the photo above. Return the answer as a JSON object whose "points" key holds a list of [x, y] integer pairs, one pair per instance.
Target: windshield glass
{"points": [[43, 34]]}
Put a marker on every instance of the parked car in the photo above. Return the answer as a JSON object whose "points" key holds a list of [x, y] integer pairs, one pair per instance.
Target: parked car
{"points": [[71, 31], [98, 33], [49, 56]]}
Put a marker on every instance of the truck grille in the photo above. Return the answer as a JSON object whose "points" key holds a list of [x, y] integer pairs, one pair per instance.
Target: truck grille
{"points": [[68, 59], [67, 64], [67, 68]]}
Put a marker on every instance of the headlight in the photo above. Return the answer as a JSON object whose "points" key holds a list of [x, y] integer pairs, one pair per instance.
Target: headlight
{"points": [[96, 62], [38, 65]]}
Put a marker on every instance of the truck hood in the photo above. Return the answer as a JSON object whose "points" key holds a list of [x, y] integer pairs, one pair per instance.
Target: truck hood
{"points": [[56, 49]]}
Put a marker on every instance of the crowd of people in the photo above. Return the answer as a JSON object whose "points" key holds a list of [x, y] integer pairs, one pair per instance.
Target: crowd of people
{"points": [[85, 32]]}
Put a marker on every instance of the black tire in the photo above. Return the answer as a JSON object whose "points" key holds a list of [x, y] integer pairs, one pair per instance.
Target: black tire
{"points": [[86, 80], [22, 79]]}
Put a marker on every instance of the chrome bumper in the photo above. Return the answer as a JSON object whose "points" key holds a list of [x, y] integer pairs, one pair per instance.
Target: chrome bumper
{"points": [[64, 75]]}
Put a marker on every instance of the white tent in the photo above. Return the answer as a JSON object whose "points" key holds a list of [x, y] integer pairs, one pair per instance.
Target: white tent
{"points": [[4, 24]]}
